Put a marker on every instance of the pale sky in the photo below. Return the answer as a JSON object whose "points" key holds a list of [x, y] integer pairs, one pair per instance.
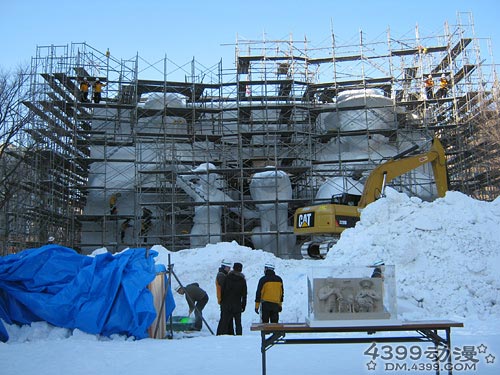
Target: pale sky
{"points": [[207, 30]]}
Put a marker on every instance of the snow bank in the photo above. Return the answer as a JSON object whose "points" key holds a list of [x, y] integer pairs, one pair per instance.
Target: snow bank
{"points": [[446, 252]]}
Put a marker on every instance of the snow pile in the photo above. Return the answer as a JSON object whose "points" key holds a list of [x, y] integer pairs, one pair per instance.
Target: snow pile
{"points": [[446, 252], [201, 265]]}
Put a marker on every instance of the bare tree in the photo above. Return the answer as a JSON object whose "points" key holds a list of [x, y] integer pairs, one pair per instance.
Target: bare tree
{"points": [[489, 144], [14, 117], [13, 91]]}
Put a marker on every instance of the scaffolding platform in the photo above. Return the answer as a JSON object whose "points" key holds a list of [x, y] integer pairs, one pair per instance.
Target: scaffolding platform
{"points": [[278, 109]]}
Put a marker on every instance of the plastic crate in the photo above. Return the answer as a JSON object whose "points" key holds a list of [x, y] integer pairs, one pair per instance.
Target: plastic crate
{"points": [[182, 323]]}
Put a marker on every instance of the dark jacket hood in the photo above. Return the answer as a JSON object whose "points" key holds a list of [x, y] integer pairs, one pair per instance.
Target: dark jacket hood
{"points": [[223, 270], [269, 272], [235, 275]]}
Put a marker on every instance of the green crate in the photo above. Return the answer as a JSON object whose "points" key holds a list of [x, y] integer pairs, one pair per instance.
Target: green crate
{"points": [[182, 323]]}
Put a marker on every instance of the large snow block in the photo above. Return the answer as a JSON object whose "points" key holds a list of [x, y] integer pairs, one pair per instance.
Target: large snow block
{"points": [[106, 294]]}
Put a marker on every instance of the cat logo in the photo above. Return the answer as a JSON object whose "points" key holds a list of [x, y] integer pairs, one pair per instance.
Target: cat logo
{"points": [[305, 220]]}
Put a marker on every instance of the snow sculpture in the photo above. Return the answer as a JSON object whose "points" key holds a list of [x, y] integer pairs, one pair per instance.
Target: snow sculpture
{"points": [[329, 296], [368, 110], [335, 186], [160, 101], [367, 296], [274, 233], [361, 110], [203, 186]]}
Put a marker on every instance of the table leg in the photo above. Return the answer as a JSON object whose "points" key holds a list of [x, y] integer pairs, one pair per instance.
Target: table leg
{"points": [[263, 351], [448, 350]]}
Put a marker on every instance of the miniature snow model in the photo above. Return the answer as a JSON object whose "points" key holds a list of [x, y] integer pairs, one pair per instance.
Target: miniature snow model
{"points": [[350, 296], [327, 221]]}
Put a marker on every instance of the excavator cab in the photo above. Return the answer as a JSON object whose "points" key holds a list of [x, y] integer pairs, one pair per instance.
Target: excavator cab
{"points": [[346, 199]]}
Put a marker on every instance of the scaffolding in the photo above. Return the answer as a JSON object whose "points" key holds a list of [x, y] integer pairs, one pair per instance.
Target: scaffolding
{"points": [[181, 158]]}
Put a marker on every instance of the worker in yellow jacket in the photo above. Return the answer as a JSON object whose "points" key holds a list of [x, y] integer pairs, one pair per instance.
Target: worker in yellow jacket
{"points": [[84, 90], [269, 295], [113, 199], [97, 89], [443, 87]]}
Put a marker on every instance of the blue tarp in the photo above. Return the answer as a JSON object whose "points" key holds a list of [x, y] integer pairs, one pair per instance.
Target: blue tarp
{"points": [[106, 294]]}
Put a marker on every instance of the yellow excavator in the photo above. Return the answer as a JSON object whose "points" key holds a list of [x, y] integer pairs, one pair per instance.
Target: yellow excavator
{"points": [[325, 222]]}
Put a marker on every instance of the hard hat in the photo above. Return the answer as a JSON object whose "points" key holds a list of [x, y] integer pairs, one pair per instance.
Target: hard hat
{"points": [[85, 78], [97, 79], [269, 266], [429, 76], [51, 239], [443, 76], [225, 263]]}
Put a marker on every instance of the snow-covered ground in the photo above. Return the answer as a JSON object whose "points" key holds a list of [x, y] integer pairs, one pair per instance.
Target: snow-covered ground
{"points": [[446, 253]]}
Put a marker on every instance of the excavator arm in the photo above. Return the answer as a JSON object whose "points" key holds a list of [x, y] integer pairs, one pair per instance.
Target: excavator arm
{"points": [[386, 172], [326, 222]]}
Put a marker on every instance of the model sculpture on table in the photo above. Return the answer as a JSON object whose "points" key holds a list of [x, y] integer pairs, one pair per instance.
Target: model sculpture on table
{"points": [[330, 296], [366, 297], [348, 298]]}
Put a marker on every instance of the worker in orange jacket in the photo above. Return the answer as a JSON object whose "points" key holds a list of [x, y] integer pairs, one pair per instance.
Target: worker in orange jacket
{"points": [[220, 280], [429, 87]]}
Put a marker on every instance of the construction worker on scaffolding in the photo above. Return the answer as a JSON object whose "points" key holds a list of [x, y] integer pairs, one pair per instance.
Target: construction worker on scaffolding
{"points": [[443, 87], [84, 90], [146, 222], [123, 228], [113, 200], [97, 89], [429, 87]]}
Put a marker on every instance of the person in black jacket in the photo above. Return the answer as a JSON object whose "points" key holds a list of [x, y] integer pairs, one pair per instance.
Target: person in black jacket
{"points": [[146, 222], [196, 298], [378, 271], [234, 299], [225, 326], [269, 296]]}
